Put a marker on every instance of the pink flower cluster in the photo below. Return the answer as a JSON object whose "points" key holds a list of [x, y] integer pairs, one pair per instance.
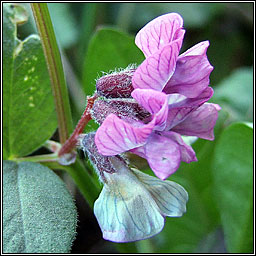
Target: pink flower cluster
{"points": [[174, 90]]}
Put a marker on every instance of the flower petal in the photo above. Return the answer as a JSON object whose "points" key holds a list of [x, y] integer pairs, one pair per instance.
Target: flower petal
{"points": [[155, 103], [178, 100], [115, 136], [180, 106], [187, 153], [160, 32], [163, 155], [177, 115], [170, 197], [200, 122], [156, 70], [192, 72], [125, 210]]}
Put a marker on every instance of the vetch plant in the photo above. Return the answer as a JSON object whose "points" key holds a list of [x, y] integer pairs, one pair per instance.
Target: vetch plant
{"points": [[136, 130], [149, 122]]}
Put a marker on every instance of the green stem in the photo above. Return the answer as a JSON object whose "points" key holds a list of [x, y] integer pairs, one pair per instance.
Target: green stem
{"points": [[53, 60], [85, 183], [88, 187], [40, 158]]}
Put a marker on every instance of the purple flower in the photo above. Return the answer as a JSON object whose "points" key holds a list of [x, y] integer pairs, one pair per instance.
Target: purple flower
{"points": [[174, 90], [163, 69], [159, 141], [132, 205]]}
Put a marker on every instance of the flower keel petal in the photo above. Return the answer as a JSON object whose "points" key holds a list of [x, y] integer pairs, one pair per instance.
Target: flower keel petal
{"points": [[187, 153]]}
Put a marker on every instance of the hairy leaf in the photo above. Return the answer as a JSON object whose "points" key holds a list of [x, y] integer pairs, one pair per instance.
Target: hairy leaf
{"points": [[39, 215]]}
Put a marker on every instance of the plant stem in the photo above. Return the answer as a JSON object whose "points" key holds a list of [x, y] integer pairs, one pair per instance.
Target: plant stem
{"points": [[77, 171], [40, 158], [85, 183], [85, 118], [53, 60]]}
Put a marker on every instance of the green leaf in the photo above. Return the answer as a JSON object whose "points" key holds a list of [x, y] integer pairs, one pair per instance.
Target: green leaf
{"points": [[233, 173], [39, 215], [108, 50], [235, 93], [29, 117]]}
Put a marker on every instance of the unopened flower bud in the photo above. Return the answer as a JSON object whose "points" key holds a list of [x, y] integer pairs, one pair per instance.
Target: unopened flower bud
{"points": [[126, 109], [102, 164], [116, 84]]}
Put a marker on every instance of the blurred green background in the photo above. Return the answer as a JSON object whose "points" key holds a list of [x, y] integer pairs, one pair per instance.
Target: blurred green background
{"points": [[96, 37]]}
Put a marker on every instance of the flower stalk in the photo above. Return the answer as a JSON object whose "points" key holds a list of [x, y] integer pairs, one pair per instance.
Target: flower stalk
{"points": [[85, 118]]}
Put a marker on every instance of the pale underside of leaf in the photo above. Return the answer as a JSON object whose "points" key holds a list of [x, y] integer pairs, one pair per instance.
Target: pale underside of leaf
{"points": [[39, 214]]}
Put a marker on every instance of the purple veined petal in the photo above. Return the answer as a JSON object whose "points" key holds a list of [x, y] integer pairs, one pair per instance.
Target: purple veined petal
{"points": [[187, 153], [197, 50], [156, 70], [156, 103], [192, 72], [178, 100], [150, 99], [163, 155], [176, 115], [180, 106], [115, 136], [159, 32], [200, 122]]}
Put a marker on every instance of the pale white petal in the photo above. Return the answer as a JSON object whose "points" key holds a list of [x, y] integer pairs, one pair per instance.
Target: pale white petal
{"points": [[125, 210], [170, 197], [132, 205]]}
